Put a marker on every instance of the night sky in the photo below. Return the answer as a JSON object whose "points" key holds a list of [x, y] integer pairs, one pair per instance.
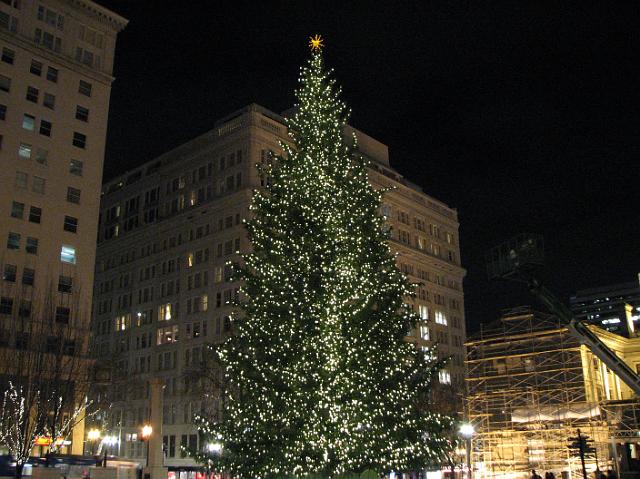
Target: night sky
{"points": [[524, 116]]}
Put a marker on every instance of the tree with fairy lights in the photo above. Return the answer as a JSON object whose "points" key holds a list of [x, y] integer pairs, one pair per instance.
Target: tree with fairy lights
{"points": [[320, 380]]}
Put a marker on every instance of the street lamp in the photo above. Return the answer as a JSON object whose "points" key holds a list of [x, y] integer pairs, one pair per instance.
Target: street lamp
{"points": [[93, 436], [214, 447], [108, 441], [467, 431], [146, 434]]}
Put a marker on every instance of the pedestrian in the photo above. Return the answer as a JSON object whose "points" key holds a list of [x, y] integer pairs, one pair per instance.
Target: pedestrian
{"points": [[535, 475], [549, 475], [611, 474]]}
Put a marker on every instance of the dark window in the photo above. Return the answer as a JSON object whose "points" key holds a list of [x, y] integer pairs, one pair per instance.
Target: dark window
{"points": [[5, 83], [17, 210], [6, 305], [24, 311], [79, 139], [45, 128], [73, 195], [22, 340], [52, 74], [62, 314], [32, 245], [75, 167], [70, 224], [13, 241], [32, 94], [49, 101], [10, 271], [65, 283], [82, 113], [36, 68], [28, 276], [84, 88], [3, 112], [69, 348], [35, 214], [8, 56]]}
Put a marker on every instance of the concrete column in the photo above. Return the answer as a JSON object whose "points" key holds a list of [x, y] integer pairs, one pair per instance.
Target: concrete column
{"points": [[155, 460], [77, 435]]}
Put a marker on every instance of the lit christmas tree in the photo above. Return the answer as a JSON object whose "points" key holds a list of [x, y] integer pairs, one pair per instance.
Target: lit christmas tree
{"points": [[320, 378]]}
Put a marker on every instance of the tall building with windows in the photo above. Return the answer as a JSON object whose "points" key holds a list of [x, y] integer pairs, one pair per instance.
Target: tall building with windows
{"points": [[55, 80], [168, 230], [615, 307]]}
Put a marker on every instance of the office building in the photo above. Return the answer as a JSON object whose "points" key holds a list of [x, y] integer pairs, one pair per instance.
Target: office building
{"points": [[169, 227], [55, 80], [615, 307]]}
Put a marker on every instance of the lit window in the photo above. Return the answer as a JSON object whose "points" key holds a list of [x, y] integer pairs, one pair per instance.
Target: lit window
{"points": [[189, 260], [164, 312], [423, 311], [123, 322], [204, 302], [29, 122], [441, 318], [68, 254], [24, 151], [424, 332], [444, 376]]}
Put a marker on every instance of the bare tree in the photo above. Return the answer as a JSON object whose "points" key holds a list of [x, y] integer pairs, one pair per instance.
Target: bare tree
{"points": [[44, 365]]}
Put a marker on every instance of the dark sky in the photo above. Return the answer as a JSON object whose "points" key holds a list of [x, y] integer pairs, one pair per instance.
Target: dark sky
{"points": [[522, 115]]}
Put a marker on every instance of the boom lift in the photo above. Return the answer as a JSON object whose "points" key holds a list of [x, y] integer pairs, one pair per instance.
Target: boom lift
{"points": [[518, 260]]}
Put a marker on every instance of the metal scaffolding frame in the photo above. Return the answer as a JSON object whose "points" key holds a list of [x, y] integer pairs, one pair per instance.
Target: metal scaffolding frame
{"points": [[527, 394]]}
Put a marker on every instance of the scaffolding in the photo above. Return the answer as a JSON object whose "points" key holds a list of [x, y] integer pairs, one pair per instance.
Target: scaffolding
{"points": [[527, 394]]}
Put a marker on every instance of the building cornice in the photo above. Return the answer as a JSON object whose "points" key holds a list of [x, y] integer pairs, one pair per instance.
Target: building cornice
{"points": [[100, 13]]}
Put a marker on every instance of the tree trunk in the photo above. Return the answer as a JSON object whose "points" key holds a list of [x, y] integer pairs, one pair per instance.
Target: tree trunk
{"points": [[19, 468]]}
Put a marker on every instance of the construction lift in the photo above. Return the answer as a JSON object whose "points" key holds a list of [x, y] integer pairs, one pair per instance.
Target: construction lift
{"points": [[519, 259]]}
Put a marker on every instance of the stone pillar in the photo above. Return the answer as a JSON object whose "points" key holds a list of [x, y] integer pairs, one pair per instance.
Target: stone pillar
{"points": [[155, 459], [77, 435]]}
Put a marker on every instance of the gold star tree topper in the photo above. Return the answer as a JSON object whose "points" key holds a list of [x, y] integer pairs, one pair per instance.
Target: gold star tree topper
{"points": [[316, 43]]}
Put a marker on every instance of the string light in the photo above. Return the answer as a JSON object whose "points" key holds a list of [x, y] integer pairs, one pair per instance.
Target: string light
{"points": [[320, 379]]}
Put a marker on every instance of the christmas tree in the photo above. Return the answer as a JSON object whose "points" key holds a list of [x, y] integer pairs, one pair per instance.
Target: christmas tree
{"points": [[320, 378]]}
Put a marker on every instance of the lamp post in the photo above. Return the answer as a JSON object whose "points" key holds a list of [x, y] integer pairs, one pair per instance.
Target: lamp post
{"points": [[467, 431], [93, 436], [108, 441], [146, 435]]}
